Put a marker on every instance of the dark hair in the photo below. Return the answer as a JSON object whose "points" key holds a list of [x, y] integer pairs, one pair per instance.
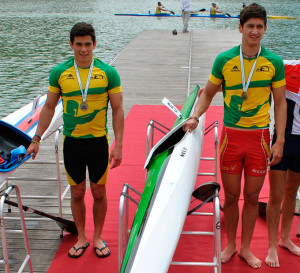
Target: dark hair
{"points": [[82, 29], [253, 11]]}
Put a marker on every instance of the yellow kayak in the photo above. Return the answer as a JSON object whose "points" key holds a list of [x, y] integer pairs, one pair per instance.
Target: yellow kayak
{"points": [[282, 17]]}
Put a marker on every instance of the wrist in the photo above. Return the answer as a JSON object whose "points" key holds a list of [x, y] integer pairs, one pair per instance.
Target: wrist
{"points": [[35, 141], [195, 118]]}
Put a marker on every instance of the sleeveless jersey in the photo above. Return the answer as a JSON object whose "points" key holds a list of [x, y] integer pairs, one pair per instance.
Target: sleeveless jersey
{"points": [[92, 122], [292, 94], [268, 74]]}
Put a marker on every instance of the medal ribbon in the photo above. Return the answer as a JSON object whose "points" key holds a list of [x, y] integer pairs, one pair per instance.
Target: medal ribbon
{"points": [[246, 85], [84, 94]]}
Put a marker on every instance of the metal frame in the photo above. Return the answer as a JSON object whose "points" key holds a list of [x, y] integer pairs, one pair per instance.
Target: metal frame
{"points": [[27, 259], [60, 196], [124, 232], [216, 232]]}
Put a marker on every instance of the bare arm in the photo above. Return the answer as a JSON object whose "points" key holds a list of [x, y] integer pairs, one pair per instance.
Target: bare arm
{"points": [[46, 116], [116, 101], [280, 113], [202, 104]]}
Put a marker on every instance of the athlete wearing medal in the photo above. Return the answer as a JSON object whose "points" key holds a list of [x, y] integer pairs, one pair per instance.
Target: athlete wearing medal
{"points": [[86, 85], [248, 74]]}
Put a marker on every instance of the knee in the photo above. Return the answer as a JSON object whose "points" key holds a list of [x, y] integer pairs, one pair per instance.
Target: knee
{"points": [[275, 198], [251, 199], [99, 192], [231, 199], [77, 194]]}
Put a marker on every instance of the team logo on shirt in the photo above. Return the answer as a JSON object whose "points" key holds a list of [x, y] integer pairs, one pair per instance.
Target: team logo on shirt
{"points": [[235, 69], [70, 77], [97, 77], [263, 69]]}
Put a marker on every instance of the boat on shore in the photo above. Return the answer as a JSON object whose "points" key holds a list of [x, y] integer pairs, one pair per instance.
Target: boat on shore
{"points": [[172, 167], [16, 132]]}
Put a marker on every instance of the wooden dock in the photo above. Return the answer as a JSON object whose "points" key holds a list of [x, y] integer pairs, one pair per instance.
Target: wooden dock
{"points": [[156, 64]]}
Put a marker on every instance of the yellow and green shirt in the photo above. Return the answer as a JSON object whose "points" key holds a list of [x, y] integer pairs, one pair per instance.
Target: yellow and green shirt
{"points": [[104, 81], [268, 74]]}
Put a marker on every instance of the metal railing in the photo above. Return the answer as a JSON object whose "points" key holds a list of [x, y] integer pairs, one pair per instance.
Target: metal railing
{"points": [[5, 260]]}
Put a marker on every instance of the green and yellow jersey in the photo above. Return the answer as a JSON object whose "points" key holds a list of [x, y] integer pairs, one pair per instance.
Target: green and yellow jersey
{"points": [[104, 81], [158, 10], [268, 74]]}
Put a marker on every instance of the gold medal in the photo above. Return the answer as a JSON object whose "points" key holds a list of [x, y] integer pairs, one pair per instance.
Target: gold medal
{"points": [[244, 96], [84, 106]]}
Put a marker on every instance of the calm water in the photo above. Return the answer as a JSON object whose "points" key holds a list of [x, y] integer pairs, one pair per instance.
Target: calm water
{"points": [[34, 35]]}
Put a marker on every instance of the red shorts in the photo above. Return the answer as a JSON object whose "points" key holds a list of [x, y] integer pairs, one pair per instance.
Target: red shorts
{"points": [[244, 149]]}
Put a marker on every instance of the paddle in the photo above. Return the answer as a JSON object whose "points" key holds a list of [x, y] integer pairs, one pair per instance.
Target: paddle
{"points": [[262, 209], [201, 10], [64, 224]]}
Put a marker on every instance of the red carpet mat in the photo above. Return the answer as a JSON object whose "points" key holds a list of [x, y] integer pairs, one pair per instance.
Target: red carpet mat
{"points": [[190, 248]]}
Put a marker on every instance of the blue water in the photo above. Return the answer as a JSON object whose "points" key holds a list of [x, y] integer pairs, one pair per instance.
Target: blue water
{"points": [[34, 35]]}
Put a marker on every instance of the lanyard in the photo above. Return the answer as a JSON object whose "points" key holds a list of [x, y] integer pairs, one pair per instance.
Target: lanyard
{"points": [[84, 94], [246, 85]]}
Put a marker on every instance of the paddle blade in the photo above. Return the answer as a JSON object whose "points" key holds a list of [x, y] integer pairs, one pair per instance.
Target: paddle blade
{"points": [[172, 12], [67, 225], [201, 10], [227, 14]]}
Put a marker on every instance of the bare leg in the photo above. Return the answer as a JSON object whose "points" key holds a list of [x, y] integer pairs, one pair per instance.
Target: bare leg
{"points": [[232, 188], [288, 208], [78, 211], [99, 213], [252, 188], [277, 181]]}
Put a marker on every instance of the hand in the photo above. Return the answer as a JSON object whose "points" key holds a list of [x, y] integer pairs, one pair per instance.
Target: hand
{"points": [[276, 153], [32, 149], [190, 125], [115, 158]]}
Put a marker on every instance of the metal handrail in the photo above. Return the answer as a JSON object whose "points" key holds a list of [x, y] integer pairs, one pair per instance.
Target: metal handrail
{"points": [[5, 260], [123, 219]]}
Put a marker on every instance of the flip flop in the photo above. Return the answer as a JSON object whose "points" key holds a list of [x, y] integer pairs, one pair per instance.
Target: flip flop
{"points": [[100, 249], [76, 249]]}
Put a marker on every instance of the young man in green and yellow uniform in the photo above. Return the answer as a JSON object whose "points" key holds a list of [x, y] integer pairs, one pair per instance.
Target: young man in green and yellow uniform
{"points": [[248, 74], [86, 86]]}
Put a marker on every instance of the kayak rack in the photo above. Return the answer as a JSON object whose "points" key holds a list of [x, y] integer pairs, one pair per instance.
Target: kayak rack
{"points": [[212, 188], [61, 195], [23, 230], [124, 231]]}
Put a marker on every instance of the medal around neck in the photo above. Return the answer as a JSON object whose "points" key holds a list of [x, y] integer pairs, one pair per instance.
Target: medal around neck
{"points": [[84, 106], [244, 96]]}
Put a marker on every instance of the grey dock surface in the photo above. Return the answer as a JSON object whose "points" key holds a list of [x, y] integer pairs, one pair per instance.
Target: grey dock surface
{"points": [[154, 65]]}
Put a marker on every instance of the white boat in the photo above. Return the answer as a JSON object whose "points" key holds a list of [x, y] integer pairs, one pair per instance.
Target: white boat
{"points": [[172, 171], [16, 132]]}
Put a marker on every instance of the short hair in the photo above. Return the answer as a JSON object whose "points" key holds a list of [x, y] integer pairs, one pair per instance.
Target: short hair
{"points": [[82, 29], [253, 11]]}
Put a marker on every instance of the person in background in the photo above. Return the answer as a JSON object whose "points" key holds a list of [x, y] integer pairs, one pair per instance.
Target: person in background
{"points": [[160, 8], [185, 6], [284, 177], [244, 5], [86, 85], [214, 9], [248, 74]]}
